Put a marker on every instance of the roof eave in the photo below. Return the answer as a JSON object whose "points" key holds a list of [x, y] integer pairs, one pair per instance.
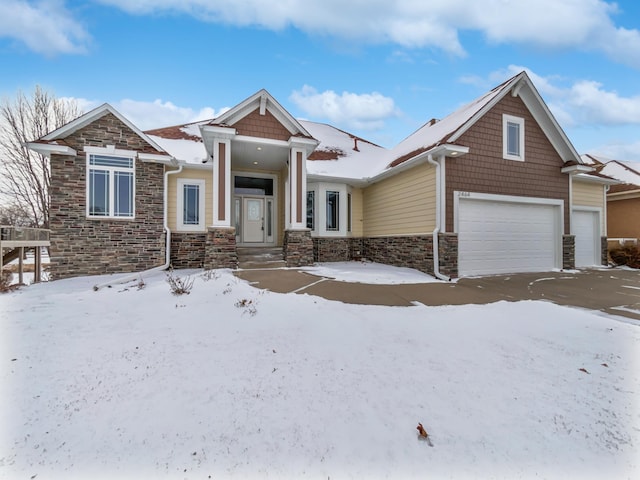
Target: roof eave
{"points": [[47, 149], [446, 150]]}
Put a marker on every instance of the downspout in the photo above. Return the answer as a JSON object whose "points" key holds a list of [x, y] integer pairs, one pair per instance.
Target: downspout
{"points": [[436, 231], [165, 225]]}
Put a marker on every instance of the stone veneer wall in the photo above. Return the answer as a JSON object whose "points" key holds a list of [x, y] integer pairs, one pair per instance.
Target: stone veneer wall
{"points": [[332, 249], [568, 252], [604, 251], [298, 248], [220, 248], [415, 251], [448, 254], [188, 250], [83, 246]]}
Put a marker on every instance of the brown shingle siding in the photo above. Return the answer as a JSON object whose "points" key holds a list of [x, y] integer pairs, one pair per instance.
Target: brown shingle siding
{"points": [[484, 170], [263, 126]]}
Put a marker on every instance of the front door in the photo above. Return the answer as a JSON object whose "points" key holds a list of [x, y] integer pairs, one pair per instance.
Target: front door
{"points": [[253, 220]]}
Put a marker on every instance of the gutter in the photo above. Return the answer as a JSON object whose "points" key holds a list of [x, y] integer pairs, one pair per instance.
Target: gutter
{"points": [[436, 231], [165, 224]]}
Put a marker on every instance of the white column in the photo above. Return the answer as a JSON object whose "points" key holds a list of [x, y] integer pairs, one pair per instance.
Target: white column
{"points": [[297, 179], [222, 188]]}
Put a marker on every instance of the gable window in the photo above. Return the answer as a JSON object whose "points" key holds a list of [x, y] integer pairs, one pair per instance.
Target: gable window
{"points": [[311, 209], [513, 137], [191, 204], [333, 207], [110, 186]]}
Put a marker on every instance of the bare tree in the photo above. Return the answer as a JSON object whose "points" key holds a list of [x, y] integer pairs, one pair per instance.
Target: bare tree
{"points": [[26, 175]]}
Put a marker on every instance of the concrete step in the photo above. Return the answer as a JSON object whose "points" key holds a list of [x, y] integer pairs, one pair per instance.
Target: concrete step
{"points": [[260, 257]]}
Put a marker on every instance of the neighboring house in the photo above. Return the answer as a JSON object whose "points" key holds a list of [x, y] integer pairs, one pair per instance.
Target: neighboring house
{"points": [[485, 190], [623, 199]]}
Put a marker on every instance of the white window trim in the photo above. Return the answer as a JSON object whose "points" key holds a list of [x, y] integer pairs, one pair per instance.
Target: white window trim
{"points": [[110, 150], [180, 225], [314, 222], [320, 201], [506, 119]]}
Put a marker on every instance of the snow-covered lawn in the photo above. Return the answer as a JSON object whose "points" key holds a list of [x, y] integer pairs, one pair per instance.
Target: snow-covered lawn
{"points": [[231, 381]]}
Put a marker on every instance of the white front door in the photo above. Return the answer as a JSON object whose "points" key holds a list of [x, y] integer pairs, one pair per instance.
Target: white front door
{"points": [[253, 223]]}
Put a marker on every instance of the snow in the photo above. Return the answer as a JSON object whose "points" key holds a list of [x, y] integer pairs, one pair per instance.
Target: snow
{"points": [[621, 172], [368, 272], [235, 382], [190, 151]]}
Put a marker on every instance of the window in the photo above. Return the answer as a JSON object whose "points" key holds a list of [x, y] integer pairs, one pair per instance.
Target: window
{"points": [[348, 212], [110, 186], [333, 207], [311, 209], [513, 137], [190, 204]]}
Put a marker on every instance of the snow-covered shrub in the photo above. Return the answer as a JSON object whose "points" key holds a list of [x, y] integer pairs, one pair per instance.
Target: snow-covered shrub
{"points": [[179, 285], [628, 255]]}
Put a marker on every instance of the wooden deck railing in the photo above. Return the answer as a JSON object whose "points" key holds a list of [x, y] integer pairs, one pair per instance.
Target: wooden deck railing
{"points": [[14, 240]]}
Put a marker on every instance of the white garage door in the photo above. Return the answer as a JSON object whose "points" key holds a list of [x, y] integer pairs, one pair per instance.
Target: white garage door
{"points": [[496, 236], [586, 228]]}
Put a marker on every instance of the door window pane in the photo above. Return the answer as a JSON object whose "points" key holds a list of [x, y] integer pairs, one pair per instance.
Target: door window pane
{"points": [[311, 207]]}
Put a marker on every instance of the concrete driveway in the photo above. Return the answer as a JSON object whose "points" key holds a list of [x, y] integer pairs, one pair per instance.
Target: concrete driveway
{"points": [[615, 291]]}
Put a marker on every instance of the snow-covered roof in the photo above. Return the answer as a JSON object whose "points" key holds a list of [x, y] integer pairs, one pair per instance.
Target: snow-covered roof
{"points": [[183, 142], [346, 156], [622, 172]]}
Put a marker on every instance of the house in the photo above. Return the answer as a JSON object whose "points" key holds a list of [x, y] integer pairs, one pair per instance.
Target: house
{"points": [[485, 190], [623, 198]]}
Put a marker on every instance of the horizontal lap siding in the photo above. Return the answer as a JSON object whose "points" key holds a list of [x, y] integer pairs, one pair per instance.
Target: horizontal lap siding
{"points": [[586, 194], [484, 170], [172, 200], [619, 214], [403, 204]]}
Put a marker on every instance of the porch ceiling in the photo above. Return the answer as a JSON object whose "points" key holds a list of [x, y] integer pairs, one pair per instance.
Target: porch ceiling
{"points": [[253, 155]]}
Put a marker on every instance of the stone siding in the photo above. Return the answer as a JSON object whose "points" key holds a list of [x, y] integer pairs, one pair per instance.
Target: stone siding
{"points": [[604, 251], [188, 250], [220, 248], [448, 254], [413, 251], [83, 246], [332, 249], [568, 252], [298, 248]]}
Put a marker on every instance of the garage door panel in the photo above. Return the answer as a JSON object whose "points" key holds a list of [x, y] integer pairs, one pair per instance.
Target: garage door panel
{"points": [[586, 228], [506, 237]]}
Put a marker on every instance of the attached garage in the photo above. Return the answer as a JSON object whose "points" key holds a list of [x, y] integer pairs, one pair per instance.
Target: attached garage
{"points": [[507, 234], [586, 228]]}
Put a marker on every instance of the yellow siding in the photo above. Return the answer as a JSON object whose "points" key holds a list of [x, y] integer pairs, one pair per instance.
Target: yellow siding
{"points": [[587, 194], [172, 201], [403, 204], [357, 212]]}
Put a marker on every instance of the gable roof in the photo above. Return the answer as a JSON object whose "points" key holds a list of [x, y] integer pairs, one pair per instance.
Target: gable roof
{"points": [[89, 117], [453, 126], [265, 102]]}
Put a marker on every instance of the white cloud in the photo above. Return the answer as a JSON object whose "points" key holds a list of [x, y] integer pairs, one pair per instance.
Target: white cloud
{"points": [[45, 27], [366, 111], [156, 114], [571, 24], [583, 102]]}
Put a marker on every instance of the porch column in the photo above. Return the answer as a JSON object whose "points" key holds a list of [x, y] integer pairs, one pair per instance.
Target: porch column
{"points": [[297, 183], [222, 188]]}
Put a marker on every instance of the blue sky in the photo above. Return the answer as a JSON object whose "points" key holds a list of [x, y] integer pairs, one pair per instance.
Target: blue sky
{"points": [[376, 68]]}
